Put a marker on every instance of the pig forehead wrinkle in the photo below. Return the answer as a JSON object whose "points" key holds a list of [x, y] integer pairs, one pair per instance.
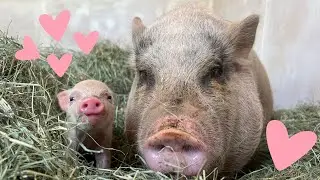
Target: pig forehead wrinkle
{"points": [[183, 52], [184, 42], [87, 91], [186, 32], [188, 22], [91, 87]]}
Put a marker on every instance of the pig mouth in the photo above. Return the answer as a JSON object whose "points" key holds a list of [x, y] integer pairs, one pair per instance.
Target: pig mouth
{"points": [[175, 151], [91, 118]]}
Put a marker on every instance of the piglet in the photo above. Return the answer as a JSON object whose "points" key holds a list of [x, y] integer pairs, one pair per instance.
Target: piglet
{"points": [[89, 106]]}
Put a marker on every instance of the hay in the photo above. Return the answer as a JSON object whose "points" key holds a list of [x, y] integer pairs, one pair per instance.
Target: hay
{"points": [[32, 145]]}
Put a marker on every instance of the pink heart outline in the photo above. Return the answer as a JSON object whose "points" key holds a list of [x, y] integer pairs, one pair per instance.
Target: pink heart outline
{"points": [[87, 43], [29, 51], [59, 66], [284, 150], [55, 27]]}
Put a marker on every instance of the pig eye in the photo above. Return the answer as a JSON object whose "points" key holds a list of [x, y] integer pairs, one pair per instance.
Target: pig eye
{"points": [[146, 78], [72, 99], [214, 73], [106, 95], [143, 74]]}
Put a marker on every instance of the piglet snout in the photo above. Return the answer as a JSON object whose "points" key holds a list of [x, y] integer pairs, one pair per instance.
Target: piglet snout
{"points": [[91, 106], [171, 151]]}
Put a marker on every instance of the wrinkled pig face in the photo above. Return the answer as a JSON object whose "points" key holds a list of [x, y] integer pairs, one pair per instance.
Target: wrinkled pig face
{"points": [[88, 101], [190, 87]]}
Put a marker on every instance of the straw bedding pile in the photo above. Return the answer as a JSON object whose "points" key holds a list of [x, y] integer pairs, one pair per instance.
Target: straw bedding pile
{"points": [[32, 127]]}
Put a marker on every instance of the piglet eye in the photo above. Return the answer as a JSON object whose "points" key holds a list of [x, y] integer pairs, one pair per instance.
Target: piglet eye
{"points": [[106, 95], [71, 99]]}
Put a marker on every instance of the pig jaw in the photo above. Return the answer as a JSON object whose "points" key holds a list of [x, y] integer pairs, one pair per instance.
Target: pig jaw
{"points": [[174, 146]]}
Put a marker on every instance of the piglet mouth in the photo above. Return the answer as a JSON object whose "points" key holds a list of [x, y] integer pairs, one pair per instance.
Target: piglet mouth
{"points": [[92, 118], [93, 114]]}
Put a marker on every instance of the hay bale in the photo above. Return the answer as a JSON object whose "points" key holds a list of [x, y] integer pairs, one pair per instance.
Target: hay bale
{"points": [[32, 145]]}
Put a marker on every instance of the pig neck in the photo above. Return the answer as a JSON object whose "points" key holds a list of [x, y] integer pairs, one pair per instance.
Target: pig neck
{"points": [[95, 139], [98, 135]]}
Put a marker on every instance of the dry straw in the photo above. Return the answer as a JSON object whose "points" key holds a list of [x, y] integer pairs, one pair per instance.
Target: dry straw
{"points": [[32, 145]]}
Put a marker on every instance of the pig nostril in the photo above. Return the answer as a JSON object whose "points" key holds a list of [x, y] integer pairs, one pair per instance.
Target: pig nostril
{"points": [[85, 105], [97, 104], [177, 101], [188, 148], [158, 147]]}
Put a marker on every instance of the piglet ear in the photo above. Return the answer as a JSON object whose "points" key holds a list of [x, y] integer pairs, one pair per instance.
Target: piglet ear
{"points": [[63, 99]]}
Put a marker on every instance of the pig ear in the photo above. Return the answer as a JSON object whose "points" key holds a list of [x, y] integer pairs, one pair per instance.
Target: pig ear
{"points": [[63, 99], [243, 34], [137, 29], [139, 41]]}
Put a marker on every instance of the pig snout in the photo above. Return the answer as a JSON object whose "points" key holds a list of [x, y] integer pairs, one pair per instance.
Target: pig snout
{"points": [[92, 108], [172, 151]]}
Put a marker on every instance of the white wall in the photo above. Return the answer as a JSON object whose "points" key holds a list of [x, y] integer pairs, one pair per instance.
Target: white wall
{"points": [[288, 38]]}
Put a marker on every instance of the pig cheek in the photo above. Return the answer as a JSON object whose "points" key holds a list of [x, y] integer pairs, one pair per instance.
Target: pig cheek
{"points": [[146, 125], [213, 138], [212, 135], [108, 114], [108, 108], [143, 122], [142, 135], [74, 112]]}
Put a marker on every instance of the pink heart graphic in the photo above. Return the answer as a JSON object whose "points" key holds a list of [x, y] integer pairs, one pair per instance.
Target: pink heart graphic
{"points": [[86, 44], [60, 66], [284, 150], [55, 28], [29, 51]]}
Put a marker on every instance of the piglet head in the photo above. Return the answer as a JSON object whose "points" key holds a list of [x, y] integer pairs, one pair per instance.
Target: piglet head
{"points": [[90, 101]]}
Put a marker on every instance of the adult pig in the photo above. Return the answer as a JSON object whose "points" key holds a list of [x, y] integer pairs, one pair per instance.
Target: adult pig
{"points": [[90, 113], [200, 98]]}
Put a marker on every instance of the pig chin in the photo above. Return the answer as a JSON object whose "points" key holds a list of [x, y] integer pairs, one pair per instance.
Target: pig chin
{"points": [[173, 150], [91, 119]]}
